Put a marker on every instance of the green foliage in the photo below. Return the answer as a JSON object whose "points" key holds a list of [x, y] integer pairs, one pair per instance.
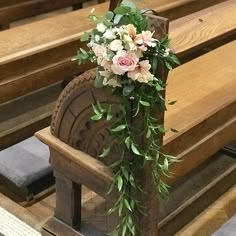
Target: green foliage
{"points": [[136, 100]]}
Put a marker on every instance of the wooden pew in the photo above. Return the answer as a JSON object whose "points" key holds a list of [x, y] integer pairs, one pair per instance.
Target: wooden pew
{"points": [[24, 70], [14, 10], [205, 123]]}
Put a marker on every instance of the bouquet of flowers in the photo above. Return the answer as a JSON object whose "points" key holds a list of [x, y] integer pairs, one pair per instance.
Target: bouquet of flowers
{"points": [[128, 57]]}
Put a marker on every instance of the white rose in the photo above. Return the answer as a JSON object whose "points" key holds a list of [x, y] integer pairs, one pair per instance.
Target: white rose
{"points": [[109, 34], [101, 27], [116, 45]]}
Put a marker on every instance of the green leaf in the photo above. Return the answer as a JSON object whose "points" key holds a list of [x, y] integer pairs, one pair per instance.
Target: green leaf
{"points": [[96, 117], [128, 90], [127, 204], [149, 132], [109, 113], [145, 103], [105, 152], [84, 37], [125, 173], [135, 149], [119, 182], [101, 109], [117, 19], [174, 130], [172, 102], [158, 87], [166, 165], [95, 109], [129, 4], [118, 128], [175, 59], [83, 51], [154, 64], [124, 229], [98, 82], [122, 10], [161, 129], [109, 15], [128, 142], [168, 65]]}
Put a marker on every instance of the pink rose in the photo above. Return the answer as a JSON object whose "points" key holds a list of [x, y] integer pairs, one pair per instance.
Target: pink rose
{"points": [[142, 72], [124, 61]]}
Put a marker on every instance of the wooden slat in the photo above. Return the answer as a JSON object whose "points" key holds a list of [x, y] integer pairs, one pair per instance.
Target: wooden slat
{"points": [[16, 10], [21, 50], [203, 28]]}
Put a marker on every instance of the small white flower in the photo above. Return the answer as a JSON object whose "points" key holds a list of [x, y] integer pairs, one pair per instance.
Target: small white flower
{"points": [[109, 34], [97, 38], [101, 27], [116, 45], [93, 10], [166, 53], [90, 44]]}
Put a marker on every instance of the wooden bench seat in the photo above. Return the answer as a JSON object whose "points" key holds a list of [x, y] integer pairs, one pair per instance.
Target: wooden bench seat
{"points": [[14, 10], [205, 116], [192, 110], [25, 53], [32, 71]]}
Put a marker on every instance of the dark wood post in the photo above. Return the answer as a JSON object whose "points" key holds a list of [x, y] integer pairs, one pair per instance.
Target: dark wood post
{"points": [[114, 4], [68, 200], [148, 222]]}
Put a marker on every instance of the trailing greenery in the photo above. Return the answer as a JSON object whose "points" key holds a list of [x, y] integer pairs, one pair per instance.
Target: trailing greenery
{"points": [[140, 98]]}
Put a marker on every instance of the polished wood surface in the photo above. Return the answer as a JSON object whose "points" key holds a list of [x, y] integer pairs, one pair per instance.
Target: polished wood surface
{"points": [[29, 52], [38, 72], [11, 11]]}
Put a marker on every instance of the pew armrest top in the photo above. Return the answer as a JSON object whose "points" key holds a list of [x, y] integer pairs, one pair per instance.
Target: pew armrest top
{"points": [[86, 161]]}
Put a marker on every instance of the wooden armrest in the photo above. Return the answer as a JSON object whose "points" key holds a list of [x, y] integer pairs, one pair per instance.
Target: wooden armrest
{"points": [[79, 157]]}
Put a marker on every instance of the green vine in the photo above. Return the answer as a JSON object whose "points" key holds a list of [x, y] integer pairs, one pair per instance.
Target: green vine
{"points": [[137, 130]]}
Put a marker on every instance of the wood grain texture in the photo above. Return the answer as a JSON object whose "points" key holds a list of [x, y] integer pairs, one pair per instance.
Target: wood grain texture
{"points": [[34, 72], [201, 28], [25, 53], [16, 10]]}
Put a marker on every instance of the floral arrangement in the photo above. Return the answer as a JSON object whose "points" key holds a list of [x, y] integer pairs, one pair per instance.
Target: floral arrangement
{"points": [[128, 56]]}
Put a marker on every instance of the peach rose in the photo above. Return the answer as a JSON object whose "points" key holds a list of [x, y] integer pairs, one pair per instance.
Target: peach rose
{"points": [[131, 30], [142, 72], [145, 39], [123, 62]]}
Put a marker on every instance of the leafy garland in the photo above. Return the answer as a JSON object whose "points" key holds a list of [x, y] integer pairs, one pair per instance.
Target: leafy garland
{"points": [[126, 32]]}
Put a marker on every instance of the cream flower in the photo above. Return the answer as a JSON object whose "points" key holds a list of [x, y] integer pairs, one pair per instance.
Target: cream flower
{"points": [[113, 82], [142, 72], [101, 27], [131, 30], [123, 62], [109, 34], [116, 45]]}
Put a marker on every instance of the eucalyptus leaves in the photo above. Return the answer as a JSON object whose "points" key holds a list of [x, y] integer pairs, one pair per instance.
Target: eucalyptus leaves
{"points": [[128, 55]]}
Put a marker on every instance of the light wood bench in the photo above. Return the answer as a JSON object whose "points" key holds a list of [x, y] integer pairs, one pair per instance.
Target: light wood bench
{"points": [[13, 10], [204, 115], [24, 70]]}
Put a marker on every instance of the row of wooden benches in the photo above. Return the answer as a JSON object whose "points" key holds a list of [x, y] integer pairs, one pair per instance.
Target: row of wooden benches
{"points": [[29, 64], [205, 116]]}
